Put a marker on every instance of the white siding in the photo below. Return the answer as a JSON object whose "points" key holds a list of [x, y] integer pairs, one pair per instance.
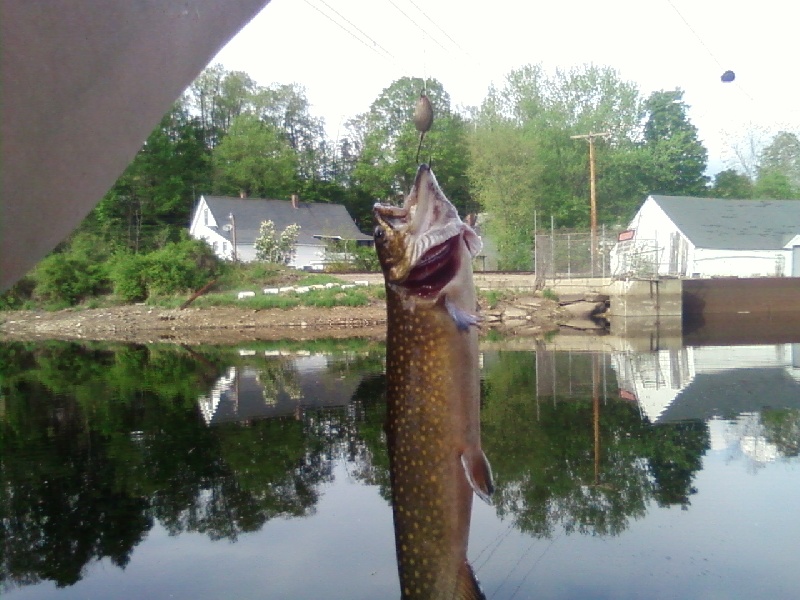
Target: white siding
{"points": [[740, 263], [307, 255], [658, 246], [203, 228]]}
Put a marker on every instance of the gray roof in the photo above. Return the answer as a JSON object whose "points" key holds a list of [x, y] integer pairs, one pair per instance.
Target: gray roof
{"points": [[734, 224], [730, 393], [314, 218]]}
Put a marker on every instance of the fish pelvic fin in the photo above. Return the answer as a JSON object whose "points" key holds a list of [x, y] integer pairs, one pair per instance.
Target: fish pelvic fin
{"points": [[479, 473], [467, 587], [462, 318]]}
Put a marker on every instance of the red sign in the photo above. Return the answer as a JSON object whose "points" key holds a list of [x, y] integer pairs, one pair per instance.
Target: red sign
{"points": [[624, 236]]}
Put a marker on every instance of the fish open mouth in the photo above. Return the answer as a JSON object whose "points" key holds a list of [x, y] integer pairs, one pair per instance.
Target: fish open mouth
{"points": [[419, 243], [435, 269]]}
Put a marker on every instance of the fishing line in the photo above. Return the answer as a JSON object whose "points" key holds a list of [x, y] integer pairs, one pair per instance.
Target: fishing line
{"points": [[383, 52], [707, 49], [699, 39], [533, 566], [498, 541], [516, 564], [435, 24], [417, 25]]}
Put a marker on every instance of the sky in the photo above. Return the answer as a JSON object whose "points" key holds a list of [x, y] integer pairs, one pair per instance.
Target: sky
{"points": [[345, 52]]}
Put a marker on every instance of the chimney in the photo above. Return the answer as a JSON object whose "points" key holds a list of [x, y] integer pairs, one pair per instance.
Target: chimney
{"points": [[242, 194], [295, 200]]}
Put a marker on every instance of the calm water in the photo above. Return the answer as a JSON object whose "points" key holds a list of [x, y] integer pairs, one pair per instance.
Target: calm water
{"points": [[262, 472]]}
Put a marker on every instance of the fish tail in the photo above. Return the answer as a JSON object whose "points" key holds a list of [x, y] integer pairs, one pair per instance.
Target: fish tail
{"points": [[468, 587]]}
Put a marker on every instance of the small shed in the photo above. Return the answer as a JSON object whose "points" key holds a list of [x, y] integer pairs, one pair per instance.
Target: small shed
{"points": [[710, 237], [222, 221]]}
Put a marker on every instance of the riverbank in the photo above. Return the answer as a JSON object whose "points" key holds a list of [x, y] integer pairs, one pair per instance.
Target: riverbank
{"points": [[527, 315]]}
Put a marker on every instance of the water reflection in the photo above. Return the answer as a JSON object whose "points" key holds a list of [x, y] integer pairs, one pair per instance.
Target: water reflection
{"points": [[105, 446]]}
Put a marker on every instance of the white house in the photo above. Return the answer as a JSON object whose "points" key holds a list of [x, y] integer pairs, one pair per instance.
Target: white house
{"points": [[710, 237], [224, 221]]}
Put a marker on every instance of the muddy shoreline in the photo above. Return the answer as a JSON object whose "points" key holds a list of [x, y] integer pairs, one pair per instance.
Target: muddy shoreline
{"points": [[529, 316]]}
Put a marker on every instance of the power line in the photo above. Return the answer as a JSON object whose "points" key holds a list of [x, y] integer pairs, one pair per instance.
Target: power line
{"points": [[435, 24], [383, 53], [357, 28], [417, 25]]}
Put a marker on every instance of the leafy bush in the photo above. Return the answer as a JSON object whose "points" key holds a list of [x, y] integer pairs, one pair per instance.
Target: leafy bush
{"points": [[180, 267], [128, 272], [176, 268], [349, 257], [18, 295], [66, 278]]}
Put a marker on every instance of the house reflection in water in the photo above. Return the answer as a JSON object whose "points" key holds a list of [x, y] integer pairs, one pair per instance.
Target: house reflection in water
{"points": [[283, 385], [708, 382], [740, 392], [729, 387]]}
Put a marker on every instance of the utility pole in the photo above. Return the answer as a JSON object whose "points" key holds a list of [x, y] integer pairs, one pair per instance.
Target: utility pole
{"points": [[233, 231], [592, 188]]}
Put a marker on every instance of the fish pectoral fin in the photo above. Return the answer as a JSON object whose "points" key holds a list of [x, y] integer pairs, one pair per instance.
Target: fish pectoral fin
{"points": [[462, 318], [468, 587], [479, 473]]}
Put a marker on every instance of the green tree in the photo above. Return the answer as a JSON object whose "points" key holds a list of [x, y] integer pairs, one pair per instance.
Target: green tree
{"points": [[386, 143], [153, 198], [526, 167], [782, 155], [219, 96], [254, 158], [679, 158], [732, 184], [287, 109], [773, 184]]}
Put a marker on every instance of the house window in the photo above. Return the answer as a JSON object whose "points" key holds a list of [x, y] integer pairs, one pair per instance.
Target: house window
{"points": [[215, 246], [224, 247], [205, 217]]}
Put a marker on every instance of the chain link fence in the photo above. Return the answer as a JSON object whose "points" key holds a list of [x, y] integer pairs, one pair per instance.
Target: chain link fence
{"points": [[570, 255], [577, 254]]}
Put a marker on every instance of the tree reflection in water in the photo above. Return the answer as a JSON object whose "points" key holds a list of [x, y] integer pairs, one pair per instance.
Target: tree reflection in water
{"points": [[101, 442]]}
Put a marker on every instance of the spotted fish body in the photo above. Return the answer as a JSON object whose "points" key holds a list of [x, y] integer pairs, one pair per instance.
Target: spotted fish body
{"points": [[433, 424]]}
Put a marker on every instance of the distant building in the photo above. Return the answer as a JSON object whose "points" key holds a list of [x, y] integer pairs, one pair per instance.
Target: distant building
{"points": [[219, 220], [282, 386], [710, 237]]}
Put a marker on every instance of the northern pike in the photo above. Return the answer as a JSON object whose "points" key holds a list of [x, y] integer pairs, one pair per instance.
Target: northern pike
{"points": [[433, 389]]}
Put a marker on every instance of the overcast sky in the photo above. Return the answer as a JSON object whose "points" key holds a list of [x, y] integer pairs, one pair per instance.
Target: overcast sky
{"points": [[659, 44]]}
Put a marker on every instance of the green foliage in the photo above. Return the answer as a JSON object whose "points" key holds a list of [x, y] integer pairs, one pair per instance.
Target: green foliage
{"points": [[782, 156], [176, 268], [254, 158], [327, 298], [549, 294], [180, 267], [493, 297], [72, 274], [679, 158], [732, 184], [773, 184], [153, 198], [347, 256], [387, 143], [128, 272], [526, 168], [18, 295]]}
